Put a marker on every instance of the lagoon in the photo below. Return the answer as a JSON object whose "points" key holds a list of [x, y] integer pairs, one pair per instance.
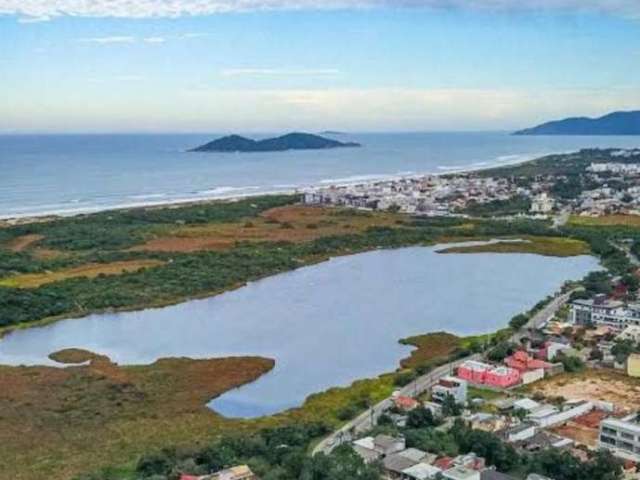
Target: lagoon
{"points": [[325, 325]]}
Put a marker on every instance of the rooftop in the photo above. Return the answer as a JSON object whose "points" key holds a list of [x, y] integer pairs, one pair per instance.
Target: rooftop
{"points": [[422, 471]]}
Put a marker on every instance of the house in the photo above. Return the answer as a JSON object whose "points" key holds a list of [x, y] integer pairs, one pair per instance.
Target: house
{"points": [[461, 473], [444, 463], [632, 333], [519, 433], [542, 441], [456, 387], [240, 472], [542, 203], [396, 463], [633, 365], [523, 362], [550, 350], [375, 448], [486, 422], [421, 471], [470, 460], [405, 403]]}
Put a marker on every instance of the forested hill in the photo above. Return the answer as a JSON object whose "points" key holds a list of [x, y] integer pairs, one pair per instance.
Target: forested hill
{"points": [[291, 141], [617, 123]]}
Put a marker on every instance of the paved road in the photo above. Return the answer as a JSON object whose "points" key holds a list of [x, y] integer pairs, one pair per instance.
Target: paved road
{"points": [[542, 316], [367, 420]]}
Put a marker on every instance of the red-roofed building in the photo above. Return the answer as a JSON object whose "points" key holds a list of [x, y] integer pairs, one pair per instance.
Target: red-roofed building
{"points": [[443, 463], [405, 403], [523, 362]]}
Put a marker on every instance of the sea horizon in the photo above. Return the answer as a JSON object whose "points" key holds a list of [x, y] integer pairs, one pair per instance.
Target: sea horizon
{"points": [[69, 174]]}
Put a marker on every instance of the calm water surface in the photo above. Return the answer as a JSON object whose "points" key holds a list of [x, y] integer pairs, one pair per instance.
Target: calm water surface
{"points": [[325, 325]]}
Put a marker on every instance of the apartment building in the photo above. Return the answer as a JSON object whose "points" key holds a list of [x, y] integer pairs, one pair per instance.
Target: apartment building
{"points": [[621, 436]]}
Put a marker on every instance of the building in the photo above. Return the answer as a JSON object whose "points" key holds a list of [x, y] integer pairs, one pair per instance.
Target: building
{"points": [[633, 365], [378, 447], [542, 203], [519, 433], [621, 437], [456, 387], [240, 472], [396, 464], [601, 311], [631, 333], [461, 473], [493, 475], [421, 471], [405, 403], [550, 350], [531, 369], [485, 374]]}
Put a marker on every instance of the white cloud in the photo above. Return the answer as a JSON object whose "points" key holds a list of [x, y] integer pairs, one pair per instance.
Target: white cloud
{"points": [[154, 40], [108, 40], [280, 72], [43, 9]]}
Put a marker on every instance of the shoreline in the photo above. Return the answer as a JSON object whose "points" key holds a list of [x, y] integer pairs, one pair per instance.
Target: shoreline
{"points": [[48, 216]]}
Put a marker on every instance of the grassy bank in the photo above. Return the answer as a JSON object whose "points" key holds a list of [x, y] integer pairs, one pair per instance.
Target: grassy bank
{"points": [[58, 422], [549, 246]]}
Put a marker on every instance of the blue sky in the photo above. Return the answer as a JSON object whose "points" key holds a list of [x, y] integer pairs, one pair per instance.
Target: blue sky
{"points": [[149, 66]]}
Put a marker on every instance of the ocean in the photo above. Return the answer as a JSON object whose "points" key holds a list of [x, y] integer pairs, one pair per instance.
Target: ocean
{"points": [[67, 174]]}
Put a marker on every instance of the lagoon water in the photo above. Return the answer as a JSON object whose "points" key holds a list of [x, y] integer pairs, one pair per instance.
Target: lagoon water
{"points": [[325, 325], [42, 174]]}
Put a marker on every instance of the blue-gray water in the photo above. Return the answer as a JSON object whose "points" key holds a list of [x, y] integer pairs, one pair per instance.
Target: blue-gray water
{"points": [[325, 325], [42, 174]]}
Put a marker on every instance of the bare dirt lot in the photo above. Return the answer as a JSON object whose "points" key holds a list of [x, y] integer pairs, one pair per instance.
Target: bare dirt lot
{"points": [[602, 385]]}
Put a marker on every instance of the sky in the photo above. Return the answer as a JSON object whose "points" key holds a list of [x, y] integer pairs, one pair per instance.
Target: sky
{"points": [[353, 65]]}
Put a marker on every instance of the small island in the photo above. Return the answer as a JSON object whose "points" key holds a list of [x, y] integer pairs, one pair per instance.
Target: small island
{"points": [[291, 141], [616, 123]]}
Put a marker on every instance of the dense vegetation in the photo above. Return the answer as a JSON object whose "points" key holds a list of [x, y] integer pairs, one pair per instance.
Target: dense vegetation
{"points": [[280, 454], [273, 454]]}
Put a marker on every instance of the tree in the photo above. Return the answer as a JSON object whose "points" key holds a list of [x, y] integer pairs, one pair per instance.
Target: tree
{"points": [[500, 351], [450, 408], [420, 418]]}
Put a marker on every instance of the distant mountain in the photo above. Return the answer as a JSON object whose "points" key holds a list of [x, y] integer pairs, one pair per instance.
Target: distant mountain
{"points": [[291, 141], [617, 123]]}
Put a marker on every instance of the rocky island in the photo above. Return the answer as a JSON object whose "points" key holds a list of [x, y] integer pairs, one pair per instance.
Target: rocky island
{"points": [[291, 141], [616, 123]]}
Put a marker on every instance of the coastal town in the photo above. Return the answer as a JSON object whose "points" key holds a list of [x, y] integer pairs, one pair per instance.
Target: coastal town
{"points": [[608, 184]]}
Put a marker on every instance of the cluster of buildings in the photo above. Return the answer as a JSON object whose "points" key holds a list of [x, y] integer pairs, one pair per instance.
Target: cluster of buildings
{"points": [[401, 463], [601, 310], [614, 187], [430, 195], [521, 368]]}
